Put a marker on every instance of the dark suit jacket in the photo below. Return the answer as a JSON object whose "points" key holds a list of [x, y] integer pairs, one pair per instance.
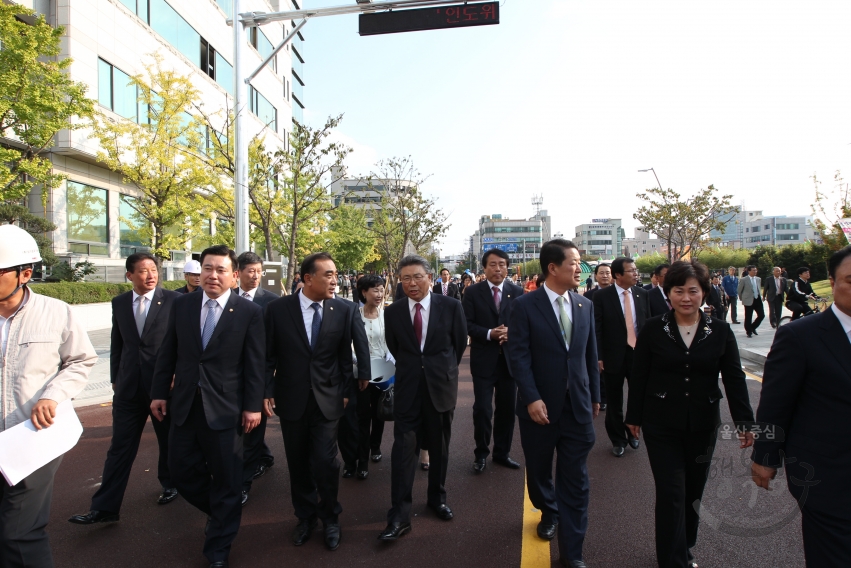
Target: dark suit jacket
{"points": [[806, 393], [677, 386], [648, 287], [541, 364], [714, 300], [293, 368], [591, 292], [400, 293], [451, 290], [656, 300], [610, 326], [229, 371], [185, 290], [482, 316], [264, 297], [132, 358], [770, 291], [437, 363]]}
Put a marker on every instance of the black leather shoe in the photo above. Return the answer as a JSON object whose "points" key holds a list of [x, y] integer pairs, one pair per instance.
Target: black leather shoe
{"points": [[219, 564], [394, 530], [167, 496], [572, 563], [348, 471], [507, 462], [244, 498], [749, 336], [93, 517], [603, 407], [633, 442], [332, 536], [737, 322], [547, 531], [618, 451], [754, 332], [479, 465], [376, 457], [302, 531], [363, 474], [261, 469], [443, 512]]}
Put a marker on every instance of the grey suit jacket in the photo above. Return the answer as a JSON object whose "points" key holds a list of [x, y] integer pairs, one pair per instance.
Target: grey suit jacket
{"points": [[746, 293], [770, 292]]}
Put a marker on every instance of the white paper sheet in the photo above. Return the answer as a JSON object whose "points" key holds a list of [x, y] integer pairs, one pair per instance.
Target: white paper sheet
{"points": [[23, 449], [381, 369]]}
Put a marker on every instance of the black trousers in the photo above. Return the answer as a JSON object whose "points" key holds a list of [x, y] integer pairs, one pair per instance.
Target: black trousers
{"points": [[565, 501], [423, 424], [377, 425], [24, 512], [493, 411], [615, 426], [128, 423], [775, 310], [734, 314], [311, 447], [680, 478], [348, 432], [255, 452], [206, 466], [757, 308], [370, 428]]}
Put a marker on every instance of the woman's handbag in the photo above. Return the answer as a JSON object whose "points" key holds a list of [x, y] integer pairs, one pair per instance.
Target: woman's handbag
{"points": [[384, 411]]}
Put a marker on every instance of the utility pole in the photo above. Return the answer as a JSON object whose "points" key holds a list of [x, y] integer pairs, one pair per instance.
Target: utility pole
{"points": [[240, 144]]}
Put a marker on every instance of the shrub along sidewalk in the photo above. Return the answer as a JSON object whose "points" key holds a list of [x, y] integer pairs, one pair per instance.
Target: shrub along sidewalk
{"points": [[90, 292]]}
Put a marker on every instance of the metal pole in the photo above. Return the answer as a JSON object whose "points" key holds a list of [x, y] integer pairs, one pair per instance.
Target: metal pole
{"points": [[240, 143]]}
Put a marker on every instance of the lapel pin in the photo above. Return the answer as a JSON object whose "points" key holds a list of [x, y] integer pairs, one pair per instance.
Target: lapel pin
{"points": [[230, 310], [508, 295], [332, 308], [158, 303], [580, 305]]}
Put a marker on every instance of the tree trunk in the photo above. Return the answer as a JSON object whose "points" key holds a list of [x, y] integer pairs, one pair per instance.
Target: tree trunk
{"points": [[291, 252], [267, 233]]}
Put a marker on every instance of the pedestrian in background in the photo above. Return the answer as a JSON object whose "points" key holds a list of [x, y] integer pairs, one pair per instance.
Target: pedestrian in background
{"points": [[658, 299], [774, 292], [730, 284], [37, 376], [675, 400], [192, 275], [749, 287], [603, 276]]}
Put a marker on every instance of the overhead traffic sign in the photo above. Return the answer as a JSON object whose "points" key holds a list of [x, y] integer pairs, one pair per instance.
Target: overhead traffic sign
{"points": [[444, 17]]}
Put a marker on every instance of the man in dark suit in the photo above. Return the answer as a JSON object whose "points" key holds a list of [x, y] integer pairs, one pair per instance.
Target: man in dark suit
{"points": [[139, 319], [619, 315], [806, 397], [774, 292], [553, 354], [310, 381], [715, 298], [427, 335], [657, 299], [487, 307], [603, 276], [192, 275], [214, 354], [256, 455], [445, 287]]}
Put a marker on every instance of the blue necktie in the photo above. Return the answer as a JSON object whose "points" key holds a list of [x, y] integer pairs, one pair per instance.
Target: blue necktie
{"points": [[209, 323], [317, 323]]}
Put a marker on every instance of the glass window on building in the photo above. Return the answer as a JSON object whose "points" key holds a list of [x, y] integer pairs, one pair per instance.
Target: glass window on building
{"points": [[792, 237], [263, 46], [224, 73], [116, 91], [226, 6], [130, 225], [175, 30], [87, 218], [262, 108]]}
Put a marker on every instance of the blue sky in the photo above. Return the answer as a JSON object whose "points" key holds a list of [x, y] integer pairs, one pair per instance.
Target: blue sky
{"points": [[569, 99]]}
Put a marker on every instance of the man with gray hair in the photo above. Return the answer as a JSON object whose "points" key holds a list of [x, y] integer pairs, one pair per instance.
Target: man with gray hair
{"points": [[427, 335], [774, 292]]}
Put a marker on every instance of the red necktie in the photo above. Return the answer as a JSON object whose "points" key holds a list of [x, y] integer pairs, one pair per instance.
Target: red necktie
{"points": [[418, 324], [496, 297]]}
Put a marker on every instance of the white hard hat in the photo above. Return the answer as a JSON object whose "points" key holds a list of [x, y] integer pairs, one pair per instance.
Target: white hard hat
{"points": [[192, 267], [17, 247]]}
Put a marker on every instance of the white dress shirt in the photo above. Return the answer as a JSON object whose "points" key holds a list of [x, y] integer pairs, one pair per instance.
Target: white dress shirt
{"points": [[491, 286], [250, 293], [307, 312], [844, 319], [554, 303], [631, 306], [426, 304], [6, 325], [149, 297], [221, 300]]}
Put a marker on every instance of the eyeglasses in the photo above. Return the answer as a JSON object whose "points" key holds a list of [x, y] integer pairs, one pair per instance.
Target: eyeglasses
{"points": [[8, 270], [416, 278]]}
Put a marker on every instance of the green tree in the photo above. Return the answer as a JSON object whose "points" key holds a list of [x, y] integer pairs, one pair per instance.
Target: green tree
{"points": [[349, 240], [161, 157], [791, 257], [647, 263], [720, 258], [683, 224], [37, 100], [828, 209]]}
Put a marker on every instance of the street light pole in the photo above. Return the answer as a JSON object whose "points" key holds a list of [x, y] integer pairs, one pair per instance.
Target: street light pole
{"points": [[654, 175], [240, 143]]}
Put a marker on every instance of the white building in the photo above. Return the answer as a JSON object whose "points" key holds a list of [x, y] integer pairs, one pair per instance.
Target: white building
{"points": [[779, 230], [109, 40], [642, 244], [362, 193], [521, 239], [600, 237]]}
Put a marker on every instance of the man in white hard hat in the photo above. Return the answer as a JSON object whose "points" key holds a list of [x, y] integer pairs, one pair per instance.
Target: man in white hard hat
{"points": [[192, 275], [46, 359]]}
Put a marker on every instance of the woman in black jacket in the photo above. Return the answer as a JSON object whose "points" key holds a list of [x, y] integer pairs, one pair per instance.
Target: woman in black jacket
{"points": [[674, 397]]}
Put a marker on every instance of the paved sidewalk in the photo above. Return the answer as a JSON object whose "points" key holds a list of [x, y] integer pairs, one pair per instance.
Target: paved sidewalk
{"points": [[99, 389]]}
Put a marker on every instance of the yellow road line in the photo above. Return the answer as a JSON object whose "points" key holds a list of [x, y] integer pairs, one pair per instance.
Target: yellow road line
{"points": [[534, 553], [754, 377]]}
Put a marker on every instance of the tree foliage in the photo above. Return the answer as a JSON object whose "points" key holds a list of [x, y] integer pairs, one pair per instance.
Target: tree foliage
{"points": [[37, 100], [683, 224], [349, 240], [721, 258], [828, 208], [647, 263], [792, 257], [161, 157], [406, 216]]}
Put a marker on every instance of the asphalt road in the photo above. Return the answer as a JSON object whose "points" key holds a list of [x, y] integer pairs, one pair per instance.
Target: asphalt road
{"points": [[740, 528]]}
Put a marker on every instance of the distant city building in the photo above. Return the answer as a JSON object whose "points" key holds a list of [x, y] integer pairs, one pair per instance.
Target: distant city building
{"points": [[642, 244], [600, 237], [779, 230], [521, 239], [361, 193], [733, 234]]}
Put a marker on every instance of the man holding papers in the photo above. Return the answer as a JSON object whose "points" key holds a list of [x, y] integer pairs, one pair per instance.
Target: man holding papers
{"points": [[45, 359]]}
